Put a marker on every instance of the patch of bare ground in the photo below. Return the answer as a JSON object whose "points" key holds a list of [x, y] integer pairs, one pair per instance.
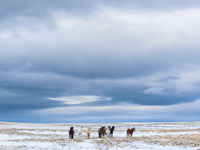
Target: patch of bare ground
{"points": [[169, 130], [2, 148], [186, 140], [30, 134], [114, 142], [25, 129], [60, 141], [192, 140], [22, 147], [24, 132]]}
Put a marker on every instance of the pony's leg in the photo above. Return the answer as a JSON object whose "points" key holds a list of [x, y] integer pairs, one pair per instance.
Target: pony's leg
{"points": [[126, 134], [88, 134]]}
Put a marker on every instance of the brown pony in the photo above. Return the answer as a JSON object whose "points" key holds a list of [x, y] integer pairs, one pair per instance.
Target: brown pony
{"points": [[129, 132], [102, 131], [71, 133]]}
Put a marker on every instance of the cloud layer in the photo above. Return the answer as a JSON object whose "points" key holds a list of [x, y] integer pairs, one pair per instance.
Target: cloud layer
{"points": [[98, 55]]}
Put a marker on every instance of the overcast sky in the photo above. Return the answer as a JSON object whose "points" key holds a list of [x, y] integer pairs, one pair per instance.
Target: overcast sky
{"points": [[99, 60]]}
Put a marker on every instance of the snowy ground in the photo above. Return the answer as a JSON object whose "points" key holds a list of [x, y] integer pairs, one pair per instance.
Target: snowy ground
{"points": [[155, 136]]}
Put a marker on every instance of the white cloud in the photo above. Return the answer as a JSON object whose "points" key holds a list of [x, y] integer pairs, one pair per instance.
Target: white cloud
{"points": [[137, 39], [155, 29], [122, 107], [6, 35], [130, 111], [154, 90], [71, 100]]}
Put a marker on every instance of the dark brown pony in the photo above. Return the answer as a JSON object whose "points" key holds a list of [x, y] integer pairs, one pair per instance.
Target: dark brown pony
{"points": [[102, 131], [71, 133], [129, 132]]}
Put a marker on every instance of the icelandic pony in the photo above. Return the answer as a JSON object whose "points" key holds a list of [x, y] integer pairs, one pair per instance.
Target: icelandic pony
{"points": [[80, 132], [71, 133], [129, 132], [88, 132], [102, 131], [111, 131]]}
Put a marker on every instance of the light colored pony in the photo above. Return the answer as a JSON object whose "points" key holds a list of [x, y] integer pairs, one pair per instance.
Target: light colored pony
{"points": [[88, 132], [80, 132]]}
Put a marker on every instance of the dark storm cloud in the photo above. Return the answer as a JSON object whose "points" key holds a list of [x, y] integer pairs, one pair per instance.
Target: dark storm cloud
{"points": [[20, 91], [14, 9], [38, 7]]}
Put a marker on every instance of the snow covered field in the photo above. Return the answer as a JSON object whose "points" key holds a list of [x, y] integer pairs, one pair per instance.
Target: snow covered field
{"points": [[156, 136]]}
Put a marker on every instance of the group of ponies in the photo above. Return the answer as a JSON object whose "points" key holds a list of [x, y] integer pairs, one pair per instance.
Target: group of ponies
{"points": [[102, 132]]}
